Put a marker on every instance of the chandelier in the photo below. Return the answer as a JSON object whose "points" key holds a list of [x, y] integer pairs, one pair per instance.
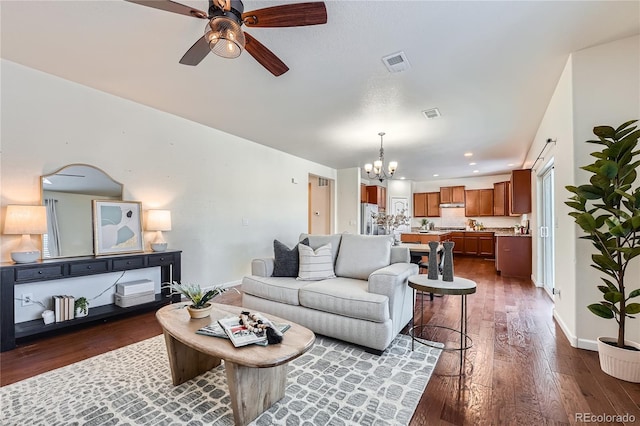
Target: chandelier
{"points": [[376, 170]]}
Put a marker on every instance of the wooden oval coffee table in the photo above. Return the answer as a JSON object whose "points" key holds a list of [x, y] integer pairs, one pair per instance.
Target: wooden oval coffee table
{"points": [[256, 375]]}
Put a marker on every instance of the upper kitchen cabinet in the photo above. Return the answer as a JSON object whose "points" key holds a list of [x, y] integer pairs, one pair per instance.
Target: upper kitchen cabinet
{"points": [[420, 204], [363, 193], [426, 204], [377, 195], [502, 198], [521, 191], [433, 204], [452, 194], [479, 202]]}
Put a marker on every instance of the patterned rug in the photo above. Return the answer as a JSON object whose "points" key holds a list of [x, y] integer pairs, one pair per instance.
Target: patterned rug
{"points": [[333, 384]]}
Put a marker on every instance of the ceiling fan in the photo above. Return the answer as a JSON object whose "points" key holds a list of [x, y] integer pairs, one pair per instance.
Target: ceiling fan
{"points": [[224, 37]]}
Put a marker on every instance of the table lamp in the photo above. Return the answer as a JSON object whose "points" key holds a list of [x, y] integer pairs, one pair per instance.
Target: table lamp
{"points": [[25, 221], [158, 220]]}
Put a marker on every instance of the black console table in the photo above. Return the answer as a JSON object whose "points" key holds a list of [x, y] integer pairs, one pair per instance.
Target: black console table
{"points": [[12, 274]]}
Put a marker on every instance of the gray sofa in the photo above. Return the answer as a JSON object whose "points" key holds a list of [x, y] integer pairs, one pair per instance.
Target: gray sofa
{"points": [[368, 302]]}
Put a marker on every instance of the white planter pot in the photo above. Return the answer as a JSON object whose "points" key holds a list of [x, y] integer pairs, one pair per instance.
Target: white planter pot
{"points": [[623, 364], [80, 314]]}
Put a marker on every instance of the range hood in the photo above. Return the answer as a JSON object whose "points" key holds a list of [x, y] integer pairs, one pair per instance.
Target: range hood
{"points": [[451, 205]]}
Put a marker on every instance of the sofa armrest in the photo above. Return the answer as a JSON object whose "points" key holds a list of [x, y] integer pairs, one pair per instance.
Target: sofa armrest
{"points": [[262, 267], [383, 281], [392, 281]]}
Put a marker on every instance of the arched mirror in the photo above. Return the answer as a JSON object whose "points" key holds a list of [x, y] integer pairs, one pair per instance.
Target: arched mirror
{"points": [[68, 194]]}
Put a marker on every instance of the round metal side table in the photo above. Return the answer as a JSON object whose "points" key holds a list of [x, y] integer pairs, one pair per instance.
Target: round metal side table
{"points": [[457, 287]]}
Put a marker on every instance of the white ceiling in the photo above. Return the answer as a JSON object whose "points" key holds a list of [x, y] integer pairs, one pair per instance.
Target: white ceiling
{"points": [[490, 67]]}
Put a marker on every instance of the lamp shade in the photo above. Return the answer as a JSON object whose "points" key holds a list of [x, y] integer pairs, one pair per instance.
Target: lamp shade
{"points": [[158, 220], [25, 220]]}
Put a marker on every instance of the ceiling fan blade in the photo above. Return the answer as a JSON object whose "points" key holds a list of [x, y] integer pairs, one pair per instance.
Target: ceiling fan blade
{"points": [[171, 6], [196, 53], [288, 15], [264, 56]]}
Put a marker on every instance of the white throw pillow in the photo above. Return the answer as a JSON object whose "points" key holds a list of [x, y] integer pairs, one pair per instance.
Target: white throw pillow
{"points": [[316, 264]]}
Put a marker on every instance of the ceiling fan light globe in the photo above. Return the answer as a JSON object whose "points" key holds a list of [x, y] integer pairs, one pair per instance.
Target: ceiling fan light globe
{"points": [[225, 37]]}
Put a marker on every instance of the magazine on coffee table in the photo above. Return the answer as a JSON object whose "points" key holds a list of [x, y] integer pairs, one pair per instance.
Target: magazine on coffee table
{"points": [[243, 336]]}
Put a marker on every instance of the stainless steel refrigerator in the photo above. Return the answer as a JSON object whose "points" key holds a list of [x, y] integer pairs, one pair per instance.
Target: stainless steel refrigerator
{"points": [[368, 226]]}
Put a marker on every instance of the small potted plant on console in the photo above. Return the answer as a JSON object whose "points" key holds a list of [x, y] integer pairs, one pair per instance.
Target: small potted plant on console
{"points": [[81, 306]]}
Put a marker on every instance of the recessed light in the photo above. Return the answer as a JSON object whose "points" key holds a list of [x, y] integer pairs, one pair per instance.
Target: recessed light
{"points": [[510, 164], [468, 154], [435, 175], [402, 178], [476, 171], [472, 164]]}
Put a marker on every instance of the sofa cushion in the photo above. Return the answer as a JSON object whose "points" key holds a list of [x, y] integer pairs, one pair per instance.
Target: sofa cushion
{"points": [[347, 297], [316, 241], [286, 260], [360, 255], [315, 264], [277, 289]]}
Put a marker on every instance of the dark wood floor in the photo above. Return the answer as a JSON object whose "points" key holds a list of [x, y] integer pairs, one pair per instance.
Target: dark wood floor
{"points": [[520, 371]]}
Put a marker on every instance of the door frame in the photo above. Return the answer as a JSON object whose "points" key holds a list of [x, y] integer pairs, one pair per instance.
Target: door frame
{"points": [[546, 228]]}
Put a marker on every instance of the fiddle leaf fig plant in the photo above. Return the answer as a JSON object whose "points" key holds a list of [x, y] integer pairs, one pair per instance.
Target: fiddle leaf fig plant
{"points": [[608, 211]]}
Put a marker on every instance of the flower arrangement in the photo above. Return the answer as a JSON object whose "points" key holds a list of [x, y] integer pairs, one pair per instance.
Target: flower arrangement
{"points": [[391, 221]]}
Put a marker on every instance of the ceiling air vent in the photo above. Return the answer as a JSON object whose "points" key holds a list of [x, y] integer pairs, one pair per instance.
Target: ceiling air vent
{"points": [[431, 113], [396, 62]]}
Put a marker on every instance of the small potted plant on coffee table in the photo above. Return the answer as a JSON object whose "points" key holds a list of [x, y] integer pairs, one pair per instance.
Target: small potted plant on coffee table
{"points": [[200, 306]]}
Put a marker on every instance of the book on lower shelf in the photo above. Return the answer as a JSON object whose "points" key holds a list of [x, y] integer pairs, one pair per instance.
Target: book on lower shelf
{"points": [[230, 328], [64, 308]]}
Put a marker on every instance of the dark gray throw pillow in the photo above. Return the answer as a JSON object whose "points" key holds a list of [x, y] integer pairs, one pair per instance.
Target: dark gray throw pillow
{"points": [[286, 260]]}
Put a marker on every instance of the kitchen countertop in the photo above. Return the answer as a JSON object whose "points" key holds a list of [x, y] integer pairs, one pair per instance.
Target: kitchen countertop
{"points": [[498, 232]]}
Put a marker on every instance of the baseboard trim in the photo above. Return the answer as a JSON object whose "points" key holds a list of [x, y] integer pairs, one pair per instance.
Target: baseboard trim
{"points": [[590, 345], [573, 340]]}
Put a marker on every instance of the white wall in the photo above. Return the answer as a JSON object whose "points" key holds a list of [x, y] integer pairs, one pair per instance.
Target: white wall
{"points": [[209, 180], [348, 200], [557, 124]]}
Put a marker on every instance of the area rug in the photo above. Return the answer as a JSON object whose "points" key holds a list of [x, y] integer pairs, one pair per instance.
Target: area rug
{"points": [[333, 384]]}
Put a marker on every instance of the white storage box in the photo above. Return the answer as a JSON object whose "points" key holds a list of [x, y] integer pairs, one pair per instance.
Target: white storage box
{"points": [[134, 287], [134, 299]]}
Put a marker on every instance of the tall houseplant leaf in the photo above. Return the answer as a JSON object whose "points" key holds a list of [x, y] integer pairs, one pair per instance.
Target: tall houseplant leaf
{"points": [[608, 212]]}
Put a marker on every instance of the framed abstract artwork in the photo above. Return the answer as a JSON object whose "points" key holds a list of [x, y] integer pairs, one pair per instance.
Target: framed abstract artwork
{"points": [[117, 227]]}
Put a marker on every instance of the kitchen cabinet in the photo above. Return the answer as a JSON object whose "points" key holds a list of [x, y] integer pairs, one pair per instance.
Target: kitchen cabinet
{"points": [[458, 240], [420, 204], [479, 202], [426, 204], [452, 194], [500, 199], [513, 256], [486, 247], [479, 244], [433, 204], [473, 243], [363, 193], [377, 195], [521, 191]]}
